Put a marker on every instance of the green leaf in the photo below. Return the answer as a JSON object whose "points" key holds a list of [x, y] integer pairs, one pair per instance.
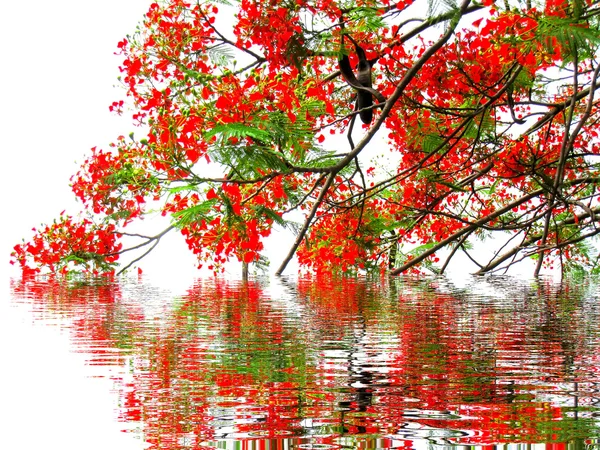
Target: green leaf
{"points": [[570, 35], [271, 214], [194, 214], [186, 188], [431, 143], [220, 55], [366, 19], [238, 130]]}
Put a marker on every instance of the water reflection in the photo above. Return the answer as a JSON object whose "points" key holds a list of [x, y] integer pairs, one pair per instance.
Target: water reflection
{"points": [[340, 363]]}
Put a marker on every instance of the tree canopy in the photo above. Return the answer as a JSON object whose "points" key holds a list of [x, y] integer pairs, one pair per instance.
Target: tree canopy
{"points": [[484, 123]]}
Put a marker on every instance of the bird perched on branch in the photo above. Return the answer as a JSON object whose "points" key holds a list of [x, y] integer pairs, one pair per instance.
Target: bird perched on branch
{"points": [[361, 82]]}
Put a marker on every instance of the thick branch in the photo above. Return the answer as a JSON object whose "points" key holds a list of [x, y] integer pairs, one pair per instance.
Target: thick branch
{"points": [[466, 229], [532, 239], [307, 223], [404, 82]]}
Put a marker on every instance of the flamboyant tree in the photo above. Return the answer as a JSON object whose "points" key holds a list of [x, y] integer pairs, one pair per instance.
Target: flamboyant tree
{"points": [[475, 120]]}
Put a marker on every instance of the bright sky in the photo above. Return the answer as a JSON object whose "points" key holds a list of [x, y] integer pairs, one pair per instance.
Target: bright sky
{"points": [[57, 78], [60, 75]]}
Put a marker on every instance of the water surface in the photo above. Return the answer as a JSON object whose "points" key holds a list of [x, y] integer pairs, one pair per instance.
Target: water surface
{"points": [[347, 363]]}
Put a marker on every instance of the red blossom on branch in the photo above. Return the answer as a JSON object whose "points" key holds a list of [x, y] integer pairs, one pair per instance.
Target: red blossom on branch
{"points": [[490, 123]]}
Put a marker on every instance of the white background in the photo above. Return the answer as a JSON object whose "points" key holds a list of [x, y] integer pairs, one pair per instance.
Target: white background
{"points": [[58, 76], [57, 72]]}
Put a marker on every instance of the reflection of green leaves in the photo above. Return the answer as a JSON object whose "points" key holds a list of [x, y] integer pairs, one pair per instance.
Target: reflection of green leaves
{"points": [[571, 427], [264, 363]]}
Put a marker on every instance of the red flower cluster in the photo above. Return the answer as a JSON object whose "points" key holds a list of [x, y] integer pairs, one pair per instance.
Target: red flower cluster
{"points": [[66, 245], [490, 126]]}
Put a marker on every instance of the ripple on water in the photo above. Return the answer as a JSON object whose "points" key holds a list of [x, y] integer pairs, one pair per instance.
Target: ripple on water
{"points": [[350, 363]]}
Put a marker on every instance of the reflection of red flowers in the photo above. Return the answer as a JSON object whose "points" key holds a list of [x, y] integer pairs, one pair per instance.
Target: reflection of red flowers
{"points": [[181, 384]]}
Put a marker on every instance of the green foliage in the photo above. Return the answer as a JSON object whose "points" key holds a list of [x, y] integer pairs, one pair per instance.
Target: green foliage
{"points": [[120, 215], [84, 260], [238, 130], [272, 144], [262, 210], [184, 188], [404, 257], [432, 142], [437, 7], [220, 55], [571, 35], [250, 151], [366, 19], [194, 214]]}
